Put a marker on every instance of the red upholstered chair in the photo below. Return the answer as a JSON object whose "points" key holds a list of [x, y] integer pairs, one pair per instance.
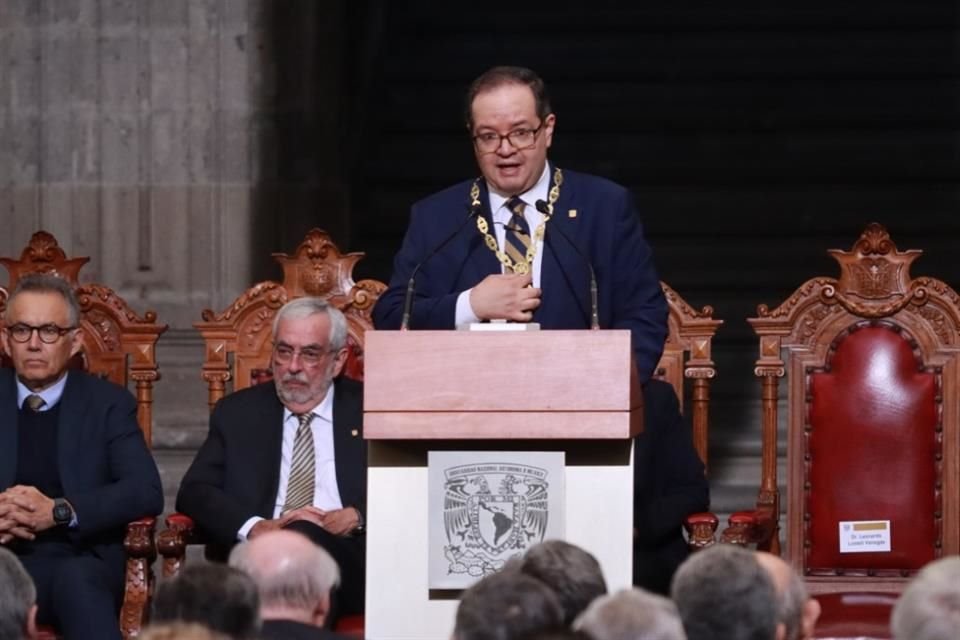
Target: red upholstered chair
{"points": [[118, 345], [871, 360], [687, 358], [238, 346]]}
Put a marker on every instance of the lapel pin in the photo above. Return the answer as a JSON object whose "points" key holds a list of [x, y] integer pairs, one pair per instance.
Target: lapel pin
{"points": [[572, 213], [354, 432]]}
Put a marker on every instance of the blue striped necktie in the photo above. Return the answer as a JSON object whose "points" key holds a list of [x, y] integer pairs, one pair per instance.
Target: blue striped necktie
{"points": [[517, 238]]}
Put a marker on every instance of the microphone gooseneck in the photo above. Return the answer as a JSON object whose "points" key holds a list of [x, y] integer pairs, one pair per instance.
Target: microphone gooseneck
{"points": [[474, 211], [547, 211]]}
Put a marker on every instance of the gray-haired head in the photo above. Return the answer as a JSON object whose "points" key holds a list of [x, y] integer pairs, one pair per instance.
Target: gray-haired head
{"points": [[508, 605], [572, 572], [722, 593], [798, 612], [929, 608], [631, 614], [46, 283], [293, 575], [17, 597], [306, 307]]}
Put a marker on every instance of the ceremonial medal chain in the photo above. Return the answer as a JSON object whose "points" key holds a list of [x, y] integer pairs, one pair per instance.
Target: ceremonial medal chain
{"points": [[527, 264]]}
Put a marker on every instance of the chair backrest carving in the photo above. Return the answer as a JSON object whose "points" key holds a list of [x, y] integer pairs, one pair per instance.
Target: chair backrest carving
{"points": [[118, 344], [687, 354], [238, 340], [873, 377]]}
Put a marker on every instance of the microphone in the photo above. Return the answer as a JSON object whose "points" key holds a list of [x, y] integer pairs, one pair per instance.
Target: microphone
{"points": [[547, 211], [474, 211]]}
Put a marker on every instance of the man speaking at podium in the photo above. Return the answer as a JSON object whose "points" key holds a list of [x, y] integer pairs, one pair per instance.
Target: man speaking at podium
{"points": [[485, 249], [519, 243]]}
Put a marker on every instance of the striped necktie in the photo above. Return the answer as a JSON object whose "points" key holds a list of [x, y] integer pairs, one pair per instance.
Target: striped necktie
{"points": [[302, 477], [517, 238]]}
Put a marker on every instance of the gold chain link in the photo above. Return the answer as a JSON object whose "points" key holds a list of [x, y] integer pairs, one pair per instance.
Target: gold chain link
{"points": [[526, 265]]}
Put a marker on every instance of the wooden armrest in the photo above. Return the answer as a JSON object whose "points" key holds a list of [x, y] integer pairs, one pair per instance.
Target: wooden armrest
{"points": [[141, 552], [173, 540], [701, 530], [750, 527]]}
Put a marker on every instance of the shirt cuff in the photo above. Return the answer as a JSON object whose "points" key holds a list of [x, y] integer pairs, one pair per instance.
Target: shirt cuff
{"points": [[245, 529], [464, 313]]}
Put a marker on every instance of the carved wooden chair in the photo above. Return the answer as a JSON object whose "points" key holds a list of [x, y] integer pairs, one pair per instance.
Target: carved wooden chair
{"points": [[873, 375], [118, 345], [238, 342], [687, 355]]}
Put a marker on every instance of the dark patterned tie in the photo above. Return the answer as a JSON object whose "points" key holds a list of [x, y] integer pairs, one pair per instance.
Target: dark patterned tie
{"points": [[517, 238], [35, 402], [302, 477]]}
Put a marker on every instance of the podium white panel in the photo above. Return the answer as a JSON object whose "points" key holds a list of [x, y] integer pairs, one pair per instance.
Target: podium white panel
{"points": [[399, 606]]}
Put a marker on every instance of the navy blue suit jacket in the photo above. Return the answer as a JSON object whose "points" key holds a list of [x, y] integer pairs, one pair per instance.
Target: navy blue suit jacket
{"points": [[236, 473], [106, 470], [607, 229]]}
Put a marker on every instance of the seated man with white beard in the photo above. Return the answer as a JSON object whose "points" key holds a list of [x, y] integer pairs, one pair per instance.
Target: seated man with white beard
{"points": [[290, 453]]}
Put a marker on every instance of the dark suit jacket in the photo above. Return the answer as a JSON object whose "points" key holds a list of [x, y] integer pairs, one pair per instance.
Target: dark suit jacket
{"points": [[290, 630], [607, 230], [106, 470], [669, 485], [236, 472]]}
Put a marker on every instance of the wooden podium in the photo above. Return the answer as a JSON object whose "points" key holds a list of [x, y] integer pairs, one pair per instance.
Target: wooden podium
{"points": [[570, 391]]}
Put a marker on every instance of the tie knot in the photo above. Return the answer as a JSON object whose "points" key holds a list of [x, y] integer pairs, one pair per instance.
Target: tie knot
{"points": [[304, 418], [35, 402], [516, 205]]}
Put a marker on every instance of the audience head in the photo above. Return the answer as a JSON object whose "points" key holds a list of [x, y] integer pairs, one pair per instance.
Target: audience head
{"points": [[573, 573], [40, 331], [631, 614], [180, 631], [18, 599], [309, 351], [508, 605], [293, 575], [929, 608], [214, 595], [722, 593], [798, 611]]}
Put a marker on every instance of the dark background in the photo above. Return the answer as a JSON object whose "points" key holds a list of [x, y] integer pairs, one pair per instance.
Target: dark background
{"points": [[754, 135]]}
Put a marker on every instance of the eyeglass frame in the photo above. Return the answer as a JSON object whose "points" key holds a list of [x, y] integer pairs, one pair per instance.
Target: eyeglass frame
{"points": [[308, 359], [49, 327], [501, 138]]}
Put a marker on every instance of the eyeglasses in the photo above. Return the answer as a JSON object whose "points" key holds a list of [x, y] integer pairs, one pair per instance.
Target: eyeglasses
{"points": [[49, 333], [519, 139], [309, 356]]}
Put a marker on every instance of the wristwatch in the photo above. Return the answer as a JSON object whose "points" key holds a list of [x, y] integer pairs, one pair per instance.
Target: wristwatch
{"points": [[62, 512]]}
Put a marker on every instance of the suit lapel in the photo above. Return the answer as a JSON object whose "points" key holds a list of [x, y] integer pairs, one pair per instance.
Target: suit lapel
{"points": [[71, 427], [481, 261], [8, 430], [269, 423], [563, 274], [348, 446]]}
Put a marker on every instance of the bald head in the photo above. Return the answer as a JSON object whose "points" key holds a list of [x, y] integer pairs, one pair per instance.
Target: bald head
{"points": [[798, 612], [293, 575]]}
